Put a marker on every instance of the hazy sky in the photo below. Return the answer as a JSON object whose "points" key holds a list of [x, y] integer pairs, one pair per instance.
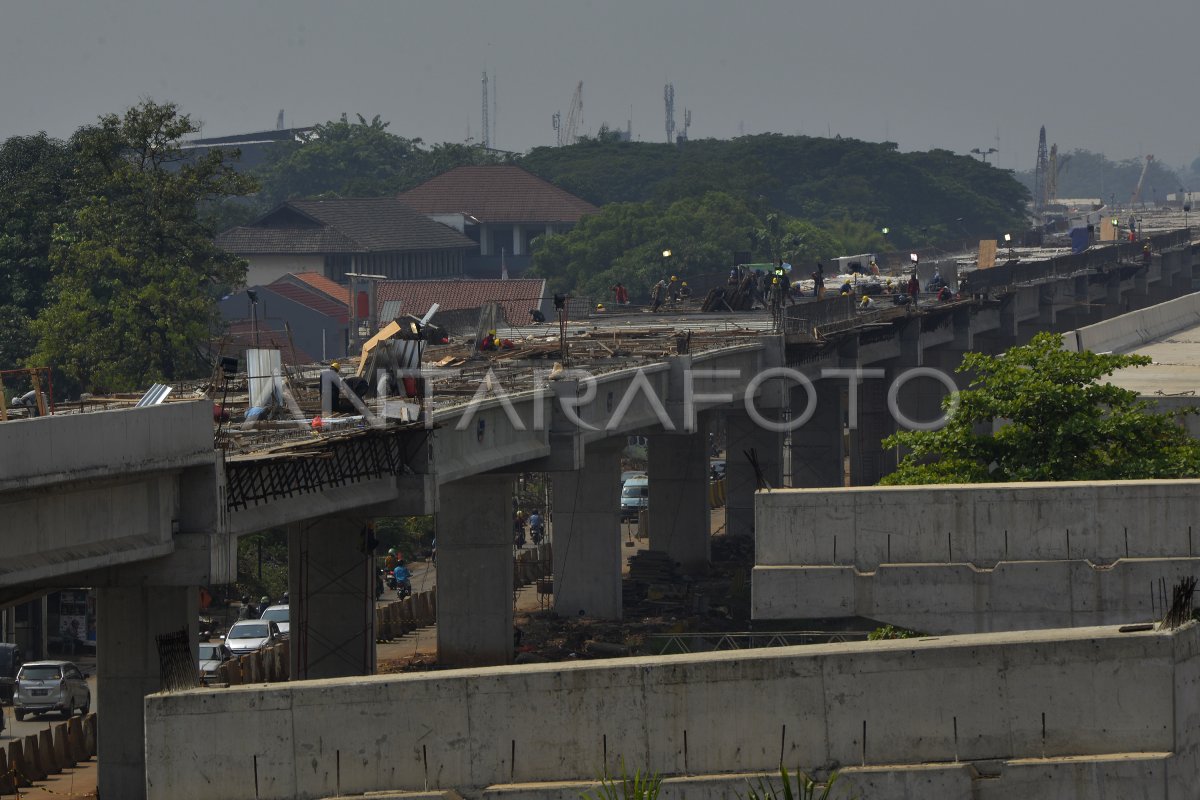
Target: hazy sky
{"points": [[1105, 75]]}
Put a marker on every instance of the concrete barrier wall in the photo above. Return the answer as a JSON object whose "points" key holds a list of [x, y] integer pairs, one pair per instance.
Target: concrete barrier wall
{"points": [[55, 449], [979, 524], [1128, 331], [1056, 694], [960, 598]]}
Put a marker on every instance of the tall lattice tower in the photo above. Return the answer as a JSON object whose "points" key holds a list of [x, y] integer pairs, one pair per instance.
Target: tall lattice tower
{"points": [[1041, 174], [487, 128], [669, 103]]}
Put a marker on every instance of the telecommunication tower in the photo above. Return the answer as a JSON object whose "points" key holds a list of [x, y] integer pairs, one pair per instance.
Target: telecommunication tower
{"points": [[669, 104], [574, 116], [486, 136]]}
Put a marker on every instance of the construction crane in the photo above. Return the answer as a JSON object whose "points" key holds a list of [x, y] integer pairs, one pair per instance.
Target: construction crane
{"points": [[1041, 174], [574, 116], [669, 104], [1137, 192], [1057, 165]]}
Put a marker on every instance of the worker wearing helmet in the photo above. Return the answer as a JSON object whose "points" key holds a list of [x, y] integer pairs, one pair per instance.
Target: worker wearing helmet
{"points": [[866, 303]]}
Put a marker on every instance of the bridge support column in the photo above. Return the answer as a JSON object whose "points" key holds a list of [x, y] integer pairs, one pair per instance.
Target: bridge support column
{"points": [[127, 667], [678, 502], [475, 572], [331, 592], [587, 535], [869, 460], [742, 434], [819, 445]]}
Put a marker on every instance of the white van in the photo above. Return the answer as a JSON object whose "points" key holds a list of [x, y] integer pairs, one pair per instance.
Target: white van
{"points": [[635, 495]]}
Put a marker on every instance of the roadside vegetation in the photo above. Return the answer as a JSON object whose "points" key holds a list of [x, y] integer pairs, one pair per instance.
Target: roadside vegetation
{"points": [[1060, 422]]}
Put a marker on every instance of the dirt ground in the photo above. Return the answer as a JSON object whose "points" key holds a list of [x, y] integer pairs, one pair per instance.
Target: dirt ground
{"points": [[716, 602]]}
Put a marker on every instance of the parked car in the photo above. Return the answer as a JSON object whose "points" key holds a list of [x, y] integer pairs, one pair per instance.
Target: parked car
{"points": [[212, 656], [280, 616], [635, 495], [45, 686], [10, 665], [250, 635]]}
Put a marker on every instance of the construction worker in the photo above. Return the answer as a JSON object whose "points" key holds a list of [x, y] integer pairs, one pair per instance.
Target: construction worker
{"points": [[866, 303], [684, 291], [657, 294]]}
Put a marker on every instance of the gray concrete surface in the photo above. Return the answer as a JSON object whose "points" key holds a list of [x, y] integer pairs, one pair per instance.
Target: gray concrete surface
{"points": [[1082, 694], [983, 557]]}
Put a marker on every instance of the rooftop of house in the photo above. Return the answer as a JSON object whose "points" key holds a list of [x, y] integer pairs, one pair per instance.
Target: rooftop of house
{"points": [[516, 296], [342, 225], [497, 194]]}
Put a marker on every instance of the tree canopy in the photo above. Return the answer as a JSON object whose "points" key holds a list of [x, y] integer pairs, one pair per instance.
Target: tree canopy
{"points": [[1060, 423], [625, 241], [135, 273], [920, 197], [359, 158], [33, 181]]}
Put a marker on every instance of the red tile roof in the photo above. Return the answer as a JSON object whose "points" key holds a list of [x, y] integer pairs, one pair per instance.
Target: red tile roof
{"points": [[516, 296], [315, 280], [497, 194], [309, 298]]}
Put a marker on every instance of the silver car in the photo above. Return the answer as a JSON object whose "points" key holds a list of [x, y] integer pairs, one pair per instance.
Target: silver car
{"points": [[212, 656], [252, 634], [45, 686], [280, 615]]}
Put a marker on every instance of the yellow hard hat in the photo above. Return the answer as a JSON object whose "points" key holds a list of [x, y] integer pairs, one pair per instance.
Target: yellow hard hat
{"points": [[774, 280], [674, 278], [685, 282], [599, 306], [333, 365]]}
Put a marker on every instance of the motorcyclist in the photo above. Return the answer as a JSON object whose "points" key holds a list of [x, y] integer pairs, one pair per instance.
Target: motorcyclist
{"points": [[537, 527], [402, 577]]}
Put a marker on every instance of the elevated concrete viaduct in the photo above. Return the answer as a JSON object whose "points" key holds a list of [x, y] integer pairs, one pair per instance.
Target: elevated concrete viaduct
{"points": [[152, 511]]}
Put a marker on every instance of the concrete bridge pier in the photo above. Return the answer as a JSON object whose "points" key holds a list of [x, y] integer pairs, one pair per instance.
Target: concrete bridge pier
{"points": [[818, 449], [475, 573], [331, 591], [742, 434], [128, 618], [869, 459], [587, 534], [679, 510]]}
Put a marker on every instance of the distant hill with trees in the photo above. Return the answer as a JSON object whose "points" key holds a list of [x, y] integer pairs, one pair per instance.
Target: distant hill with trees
{"points": [[794, 197]]}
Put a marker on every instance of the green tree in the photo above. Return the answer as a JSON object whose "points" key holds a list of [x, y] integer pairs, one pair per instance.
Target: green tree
{"points": [[135, 270], [1061, 423], [358, 159], [919, 196], [33, 179], [625, 241]]}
